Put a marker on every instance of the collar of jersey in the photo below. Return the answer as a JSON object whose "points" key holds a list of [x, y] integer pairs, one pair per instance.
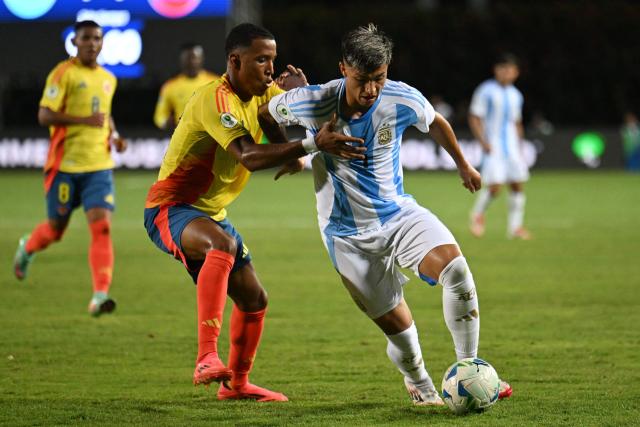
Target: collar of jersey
{"points": [[362, 118], [225, 77]]}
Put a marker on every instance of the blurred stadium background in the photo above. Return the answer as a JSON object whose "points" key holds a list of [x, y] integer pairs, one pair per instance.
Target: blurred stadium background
{"points": [[579, 62], [560, 312]]}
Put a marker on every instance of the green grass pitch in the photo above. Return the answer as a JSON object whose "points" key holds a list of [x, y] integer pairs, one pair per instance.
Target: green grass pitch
{"points": [[560, 314]]}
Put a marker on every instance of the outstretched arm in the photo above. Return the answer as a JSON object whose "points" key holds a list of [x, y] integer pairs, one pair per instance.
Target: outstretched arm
{"points": [[443, 134], [263, 156], [327, 139]]}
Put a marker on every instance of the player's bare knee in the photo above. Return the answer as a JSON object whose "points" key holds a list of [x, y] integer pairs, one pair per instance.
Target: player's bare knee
{"points": [[251, 301], [262, 300], [100, 227], [221, 242], [57, 230]]}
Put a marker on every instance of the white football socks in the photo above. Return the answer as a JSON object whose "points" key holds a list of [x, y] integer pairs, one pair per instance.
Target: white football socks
{"points": [[516, 211], [482, 202], [404, 351], [460, 307]]}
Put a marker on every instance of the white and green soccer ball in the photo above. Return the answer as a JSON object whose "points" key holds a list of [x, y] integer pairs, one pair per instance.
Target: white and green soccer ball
{"points": [[470, 385]]}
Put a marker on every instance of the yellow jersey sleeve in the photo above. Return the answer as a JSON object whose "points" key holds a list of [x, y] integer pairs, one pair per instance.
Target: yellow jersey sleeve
{"points": [[56, 88], [220, 117], [163, 107]]}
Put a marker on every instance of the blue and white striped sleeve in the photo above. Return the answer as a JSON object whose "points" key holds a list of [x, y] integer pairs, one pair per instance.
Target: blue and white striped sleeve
{"points": [[303, 106], [422, 112], [518, 107], [426, 114], [279, 107], [479, 102]]}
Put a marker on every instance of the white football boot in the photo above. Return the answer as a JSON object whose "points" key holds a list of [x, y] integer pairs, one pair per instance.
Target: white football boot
{"points": [[423, 395]]}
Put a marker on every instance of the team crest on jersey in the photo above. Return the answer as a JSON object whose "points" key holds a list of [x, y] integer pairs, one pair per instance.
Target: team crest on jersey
{"points": [[52, 91], [384, 134], [106, 86], [228, 120], [283, 111]]}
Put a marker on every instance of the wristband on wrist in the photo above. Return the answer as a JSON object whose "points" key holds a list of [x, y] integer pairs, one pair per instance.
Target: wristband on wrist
{"points": [[309, 144]]}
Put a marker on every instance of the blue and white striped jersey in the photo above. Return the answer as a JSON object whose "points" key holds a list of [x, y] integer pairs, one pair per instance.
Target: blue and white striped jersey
{"points": [[354, 196], [500, 108]]}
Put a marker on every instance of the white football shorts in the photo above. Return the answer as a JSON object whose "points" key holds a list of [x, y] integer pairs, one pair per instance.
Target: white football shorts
{"points": [[500, 169], [371, 261]]}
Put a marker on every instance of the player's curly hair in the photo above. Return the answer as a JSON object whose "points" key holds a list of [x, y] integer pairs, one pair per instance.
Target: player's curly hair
{"points": [[366, 48], [242, 35], [85, 24]]}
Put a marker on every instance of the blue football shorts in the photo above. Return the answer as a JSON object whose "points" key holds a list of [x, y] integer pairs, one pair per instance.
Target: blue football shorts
{"points": [[165, 224]]}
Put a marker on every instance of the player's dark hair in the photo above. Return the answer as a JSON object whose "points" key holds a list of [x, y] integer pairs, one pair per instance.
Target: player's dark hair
{"points": [[506, 58], [242, 35], [189, 46], [366, 48], [85, 24]]}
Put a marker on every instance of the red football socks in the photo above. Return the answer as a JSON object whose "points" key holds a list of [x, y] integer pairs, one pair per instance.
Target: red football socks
{"points": [[246, 329], [211, 297], [41, 237], [101, 255]]}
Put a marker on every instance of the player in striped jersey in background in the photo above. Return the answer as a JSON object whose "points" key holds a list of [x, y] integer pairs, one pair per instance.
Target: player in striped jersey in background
{"points": [[495, 118]]}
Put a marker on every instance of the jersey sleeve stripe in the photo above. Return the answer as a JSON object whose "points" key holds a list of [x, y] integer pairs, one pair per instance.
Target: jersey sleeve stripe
{"points": [[420, 100], [225, 98], [320, 112], [311, 102], [54, 156], [61, 70], [221, 100], [322, 106], [217, 101]]}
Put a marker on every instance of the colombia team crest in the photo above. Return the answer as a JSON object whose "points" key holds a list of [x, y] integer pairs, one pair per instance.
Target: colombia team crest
{"points": [[384, 134]]}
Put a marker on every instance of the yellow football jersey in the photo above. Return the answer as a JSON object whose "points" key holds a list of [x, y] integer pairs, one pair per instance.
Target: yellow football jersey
{"points": [[175, 94], [77, 90], [196, 168]]}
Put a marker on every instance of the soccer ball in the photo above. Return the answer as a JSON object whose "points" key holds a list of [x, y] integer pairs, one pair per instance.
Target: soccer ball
{"points": [[470, 385]]}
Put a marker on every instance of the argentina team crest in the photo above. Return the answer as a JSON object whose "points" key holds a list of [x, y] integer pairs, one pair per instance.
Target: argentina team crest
{"points": [[384, 134], [228, 120]]}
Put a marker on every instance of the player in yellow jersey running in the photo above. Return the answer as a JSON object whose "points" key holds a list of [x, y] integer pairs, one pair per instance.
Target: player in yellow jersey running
{"points": [[212, 152], [76, 105], [175, 93]]}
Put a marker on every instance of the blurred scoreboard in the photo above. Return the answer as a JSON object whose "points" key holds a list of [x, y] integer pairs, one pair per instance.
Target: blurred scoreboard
{"points": [[123, 22]]}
